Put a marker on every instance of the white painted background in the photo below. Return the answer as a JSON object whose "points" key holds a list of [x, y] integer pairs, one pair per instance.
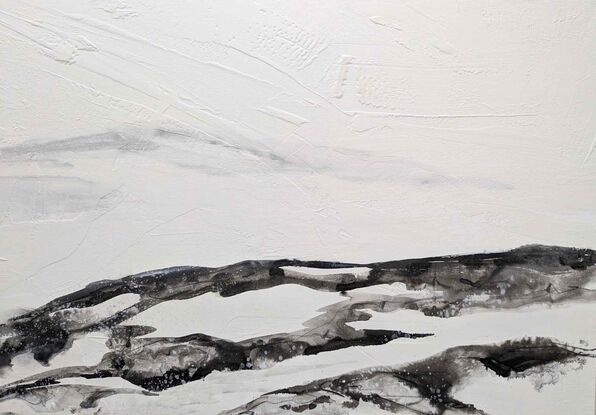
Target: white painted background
{"points": [[144, 134]]}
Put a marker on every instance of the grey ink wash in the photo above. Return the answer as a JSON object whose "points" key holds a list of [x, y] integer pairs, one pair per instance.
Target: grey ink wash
{"points": [[202, 152], [50, 198], [88, 143], [128, 141]]}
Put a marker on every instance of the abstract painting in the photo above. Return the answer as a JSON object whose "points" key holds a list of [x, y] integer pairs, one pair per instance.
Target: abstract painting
{"points": [[297, 207]]}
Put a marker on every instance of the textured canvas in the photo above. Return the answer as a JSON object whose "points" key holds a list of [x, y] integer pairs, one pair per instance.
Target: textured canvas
{"points": [[297, 207]]}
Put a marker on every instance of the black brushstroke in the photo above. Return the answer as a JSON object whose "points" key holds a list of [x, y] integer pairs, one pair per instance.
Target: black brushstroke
{"points": [[528, 275], [425, 385], [158, 363]]}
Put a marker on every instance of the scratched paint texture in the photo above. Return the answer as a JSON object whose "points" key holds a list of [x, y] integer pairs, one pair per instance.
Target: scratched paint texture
{"points": [[139, 135]]}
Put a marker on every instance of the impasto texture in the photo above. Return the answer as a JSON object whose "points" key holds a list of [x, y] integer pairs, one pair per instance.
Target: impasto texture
{"points": [[297, 207]]}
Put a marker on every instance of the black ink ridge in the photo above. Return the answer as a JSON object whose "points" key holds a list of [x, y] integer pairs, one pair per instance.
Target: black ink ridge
{"points": [[425, 387]]}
